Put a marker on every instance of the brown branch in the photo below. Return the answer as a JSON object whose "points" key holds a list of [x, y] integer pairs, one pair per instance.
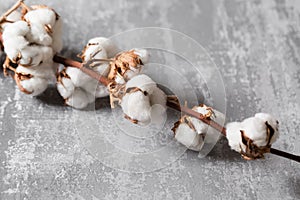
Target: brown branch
{"points": [[171, 103], [72, 63]]}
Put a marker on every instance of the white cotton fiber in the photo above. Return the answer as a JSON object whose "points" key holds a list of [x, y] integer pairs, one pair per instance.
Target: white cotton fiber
{"points": [[65, 87], [262, 130], [137, 106], [79, 99], [189, 138], [39, 35], [206, 134], [43, 16], [35, 85], [110, 47]]}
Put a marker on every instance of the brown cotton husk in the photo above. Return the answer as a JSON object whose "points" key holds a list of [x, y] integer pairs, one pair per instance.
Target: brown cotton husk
{"points": [[187, 119], [135, 121], [62, 74], [116, 92], [207, 108], [122, 63], [184, 119], [8, 65], [21, 77]]}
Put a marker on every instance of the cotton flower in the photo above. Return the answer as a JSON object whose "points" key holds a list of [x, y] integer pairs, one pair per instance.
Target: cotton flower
{"points": [[34, 80], [254, 136], [127, 65], [31, 42], [141, 95], [95, 45], [193, 133], [32, 39], [79, 89]]}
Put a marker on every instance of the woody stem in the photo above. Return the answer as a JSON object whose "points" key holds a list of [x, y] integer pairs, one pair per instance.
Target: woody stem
{"points": [[72, 63]]}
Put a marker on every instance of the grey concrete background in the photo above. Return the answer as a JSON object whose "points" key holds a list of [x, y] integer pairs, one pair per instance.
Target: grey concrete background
{"points": [[255, 45]]}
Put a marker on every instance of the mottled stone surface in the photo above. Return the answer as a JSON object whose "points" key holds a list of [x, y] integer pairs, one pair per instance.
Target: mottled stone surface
{"points": [[256, 46]]}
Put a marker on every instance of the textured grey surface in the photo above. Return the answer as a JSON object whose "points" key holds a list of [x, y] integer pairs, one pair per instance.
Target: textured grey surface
{"points": [[255, 45]]}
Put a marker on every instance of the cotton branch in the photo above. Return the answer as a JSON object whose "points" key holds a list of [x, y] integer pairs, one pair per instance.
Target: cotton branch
{"points": [[171, 102]]}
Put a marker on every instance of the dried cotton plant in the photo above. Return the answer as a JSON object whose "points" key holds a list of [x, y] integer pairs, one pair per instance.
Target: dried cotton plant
{"points": [[31, 37]]}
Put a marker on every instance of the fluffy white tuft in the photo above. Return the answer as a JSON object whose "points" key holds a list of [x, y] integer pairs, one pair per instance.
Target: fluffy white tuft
{"points": [[109, 46], [79, 99], [188, 137], [255, 128], [137, 105], [205, 133], [35, 85]]}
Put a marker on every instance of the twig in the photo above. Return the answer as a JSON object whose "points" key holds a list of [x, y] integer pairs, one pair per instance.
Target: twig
{"points": [[72, 63], [174, 103], [285, 154]]}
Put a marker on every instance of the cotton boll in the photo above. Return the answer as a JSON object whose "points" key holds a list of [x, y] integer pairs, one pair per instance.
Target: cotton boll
{"points": [[143, 82], [137, 106], [72, 83], [14, 46], [272, 122], [35, 85], [44, 70], [201, 128], [188, 137], [140, 97], [19, 28], [47, 53], [43, 16], [255, 129], [39, 35], [233, 135], [143, 54], [65, 87], [94, 51], [79, 99], [110, 47], [126, 64], [31, 56], [206, 134], [254, 136], [78, 77]]}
